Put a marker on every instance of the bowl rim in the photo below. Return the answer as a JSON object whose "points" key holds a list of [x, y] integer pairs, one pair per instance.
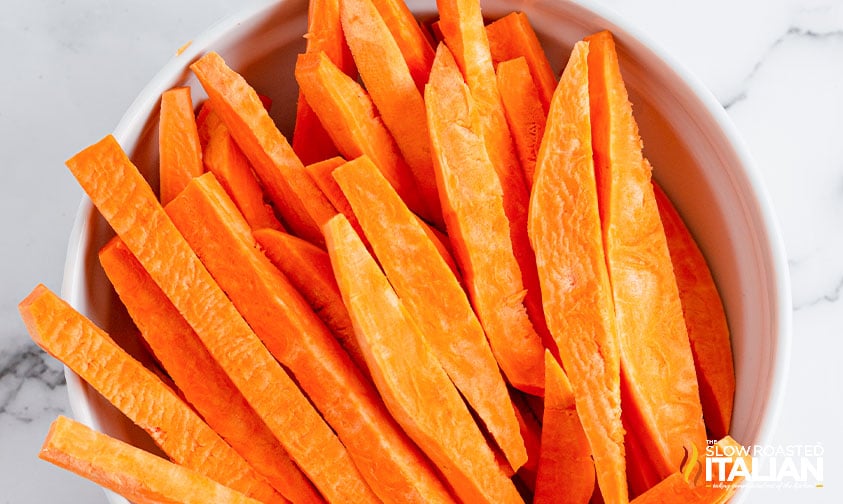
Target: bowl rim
{"points": [[129, 129]]}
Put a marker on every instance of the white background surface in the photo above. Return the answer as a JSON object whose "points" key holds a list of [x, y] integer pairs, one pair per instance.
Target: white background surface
{"points": [[70, 69]]}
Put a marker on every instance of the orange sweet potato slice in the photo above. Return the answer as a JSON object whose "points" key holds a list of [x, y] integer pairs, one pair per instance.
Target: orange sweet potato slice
{"points": [[308, 268], [566, 471], [414, 45], [300, 203], [410, 379], [473, 206], [708, 330], [198, 376], [662, 403], [512, 36], [350, 117], [226, 161], [126, 201], [565, 231], [179, 431], [461, 22], [324, 33], [390, 84], [133, 473], [386, 458], [524, 112], [434, 299], [179, 149]]}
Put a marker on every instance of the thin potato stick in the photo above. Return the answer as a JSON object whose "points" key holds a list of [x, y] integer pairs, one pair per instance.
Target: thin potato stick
{"points": [[473, 207], [133, 473], [126, 201], [301, 204], [198, 376], [662, 406], [86, 349], [411, 381], [565, 231], [386, 458]]}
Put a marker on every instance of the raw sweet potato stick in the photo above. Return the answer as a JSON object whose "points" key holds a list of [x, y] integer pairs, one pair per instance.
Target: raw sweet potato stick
{"points": [[411, 381], [207, 122], [473, 207], [178, 143], [390, 85], [662, 402], [300, 203], [461, 22], [73, 339], [324, 33], [308, 268], [524, 112], [350, 117], [434, 299], [386, 458], [408, 34], [126, 201], [565, 232], [566, 471], [512, 36], [322, 174], [705, 319], [198, 376], [226, 161], [133, 473]]}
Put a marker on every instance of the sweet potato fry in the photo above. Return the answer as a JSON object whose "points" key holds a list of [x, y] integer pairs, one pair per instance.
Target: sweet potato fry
{"points": [[226, 161], [126, 201], [324, 33], [708, 330], [387, 459], [434, 300], [198, 376], [473, 207], [70, 337], [524, 112], [133, 473], [512, 36], [565, 231], [662, 403], [410, 378], [350, 117], [417, 51], [465, 35], [308, 268], [566, 471], [390, 85], [300, 203], [178, 143]]}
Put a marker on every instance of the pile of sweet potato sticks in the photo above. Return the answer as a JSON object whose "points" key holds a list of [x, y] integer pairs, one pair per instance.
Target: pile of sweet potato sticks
{"points": [[459, 283]]}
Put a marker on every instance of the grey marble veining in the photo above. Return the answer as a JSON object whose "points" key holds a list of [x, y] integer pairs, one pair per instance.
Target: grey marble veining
{"points": [[25, 371]]}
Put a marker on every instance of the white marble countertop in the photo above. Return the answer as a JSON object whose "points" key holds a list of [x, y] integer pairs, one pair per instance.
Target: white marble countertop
{"points": [[70, 68]]}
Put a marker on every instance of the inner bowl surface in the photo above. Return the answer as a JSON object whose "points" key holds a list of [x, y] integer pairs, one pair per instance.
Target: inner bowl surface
{"points": [[696, 153]]}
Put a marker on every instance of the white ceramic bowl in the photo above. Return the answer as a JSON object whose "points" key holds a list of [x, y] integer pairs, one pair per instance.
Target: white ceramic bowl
{"points": [[696, 152]]}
